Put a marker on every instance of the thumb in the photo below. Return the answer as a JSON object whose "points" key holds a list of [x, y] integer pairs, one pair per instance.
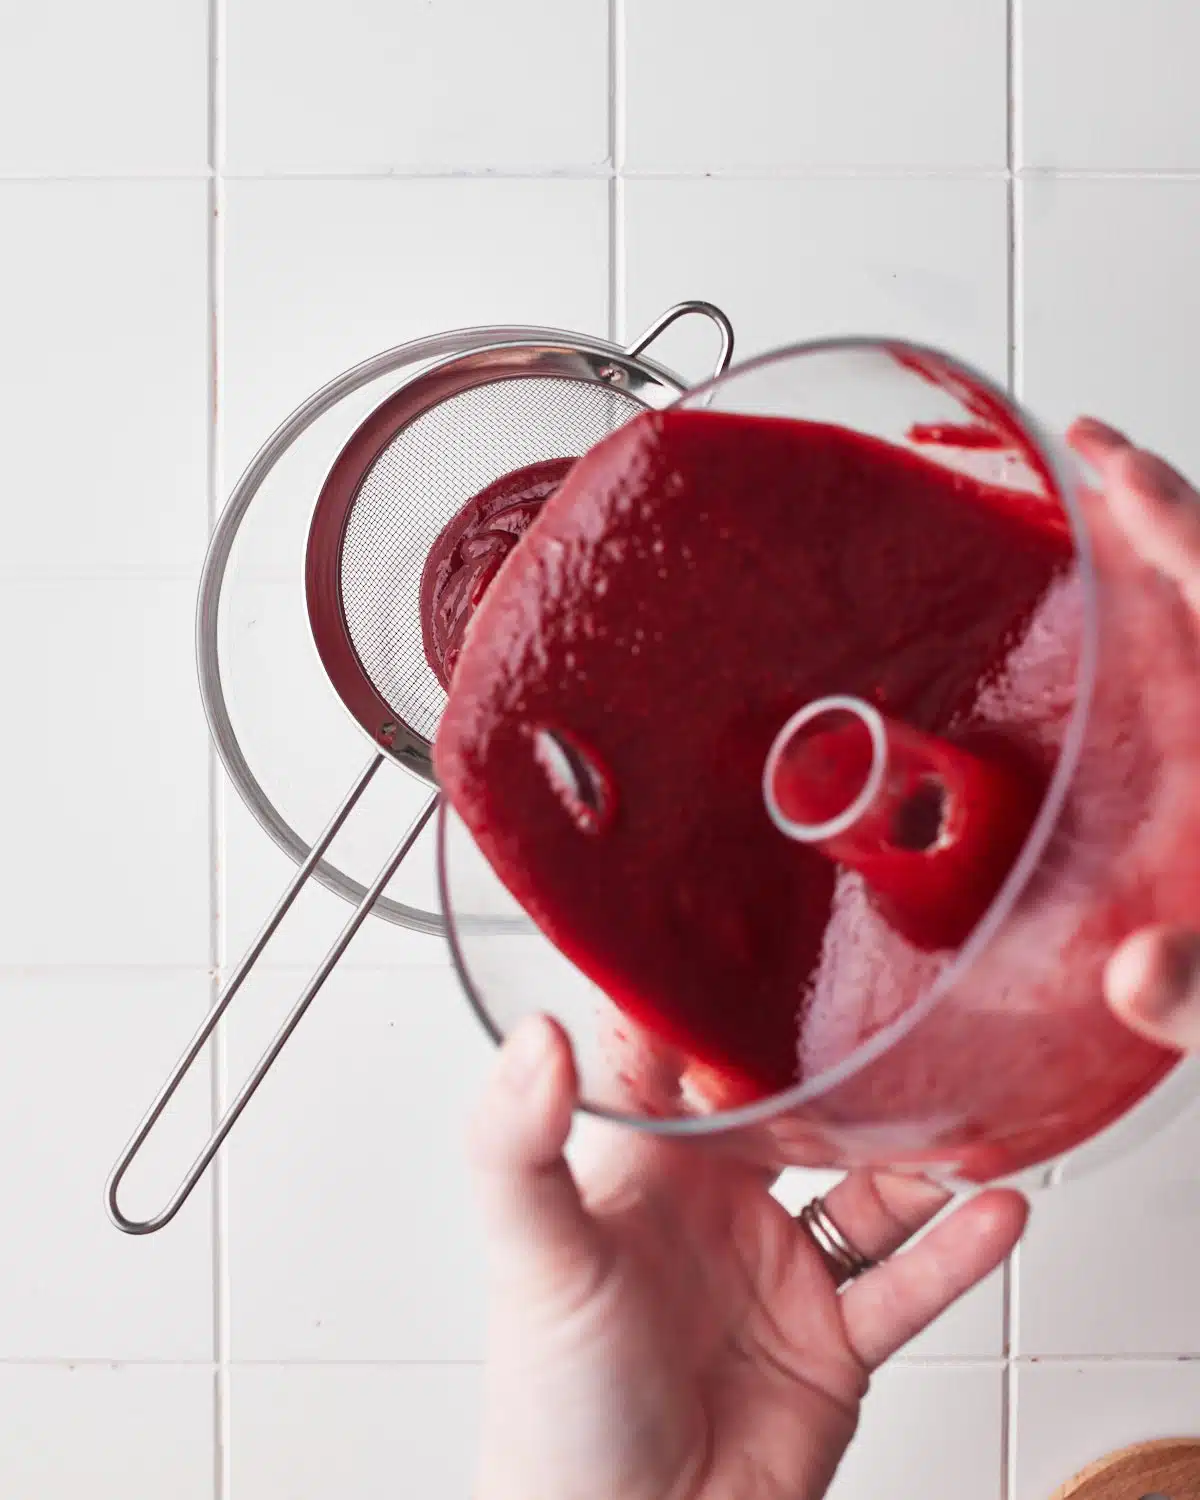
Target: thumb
{"points": [[1153, 984], [538, 1228]]}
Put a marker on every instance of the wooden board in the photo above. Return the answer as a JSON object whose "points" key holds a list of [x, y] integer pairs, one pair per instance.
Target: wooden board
{"points": [[1170, 1469]]}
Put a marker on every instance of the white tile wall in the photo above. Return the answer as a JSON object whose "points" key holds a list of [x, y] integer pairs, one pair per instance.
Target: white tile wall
{"points": [[106, 822], [816, 83], [388, 84], [1109, 305], [84, 1052], [104, 376], [1106, 87], [319, 274], [933, 1432], [354, 1152], [371, 1431], [1096, 1278], [110, 1432], [266, 193], [89, 90], [792, 259]]}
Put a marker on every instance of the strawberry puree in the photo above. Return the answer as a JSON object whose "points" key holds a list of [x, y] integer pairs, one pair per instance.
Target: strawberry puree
{"points": [[697, 579], [468, 552]]}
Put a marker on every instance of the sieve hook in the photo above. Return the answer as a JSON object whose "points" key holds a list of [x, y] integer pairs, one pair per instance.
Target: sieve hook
{"points": [[230, 1118], [707, 310]]}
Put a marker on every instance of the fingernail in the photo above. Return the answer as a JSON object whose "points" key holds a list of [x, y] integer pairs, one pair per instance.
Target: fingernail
{"points": [[1153, 974], [525, 1053], [1177, 980], [1154, 477], [1091, 430], [1127, 970]]}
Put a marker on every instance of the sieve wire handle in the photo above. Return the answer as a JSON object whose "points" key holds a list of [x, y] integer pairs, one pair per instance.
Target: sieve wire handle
{"points": [[230, 1118], [707, 310]]}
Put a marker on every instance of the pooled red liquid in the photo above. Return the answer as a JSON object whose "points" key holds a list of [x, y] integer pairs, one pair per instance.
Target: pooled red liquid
{"points": [[469, 551], [957, 435], [697, 579]]}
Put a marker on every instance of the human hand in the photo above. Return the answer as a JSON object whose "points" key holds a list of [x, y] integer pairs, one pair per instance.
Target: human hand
{"points": [[664, 1330], [1153, 979]]}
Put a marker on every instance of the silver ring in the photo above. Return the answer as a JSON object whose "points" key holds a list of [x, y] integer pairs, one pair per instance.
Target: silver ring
{"points": [[846, 1261]]}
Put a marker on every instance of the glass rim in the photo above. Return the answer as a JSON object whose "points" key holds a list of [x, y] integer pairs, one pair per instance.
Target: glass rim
{"points": [[1066, 478]]}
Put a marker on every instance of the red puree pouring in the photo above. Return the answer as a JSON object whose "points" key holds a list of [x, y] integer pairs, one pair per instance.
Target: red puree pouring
{"points": [[698, 578], [621, 739]]}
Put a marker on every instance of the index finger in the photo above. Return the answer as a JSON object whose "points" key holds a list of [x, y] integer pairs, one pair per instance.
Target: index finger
{"points": [[898, 1299], [1154, 505]]}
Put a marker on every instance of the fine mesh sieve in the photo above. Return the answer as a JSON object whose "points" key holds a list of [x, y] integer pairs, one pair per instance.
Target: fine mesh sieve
{"points": [[499, 402], [434, 449], [462, 444]]}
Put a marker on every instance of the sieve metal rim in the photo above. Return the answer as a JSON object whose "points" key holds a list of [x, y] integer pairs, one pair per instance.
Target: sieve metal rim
{"points": [[435, 347], [486, 367]]}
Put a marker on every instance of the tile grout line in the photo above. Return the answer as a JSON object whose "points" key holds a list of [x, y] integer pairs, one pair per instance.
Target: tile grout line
{"points": [[67, 972], [1017, 231], [611, 146], [1011, 1281], [222, 1478], [602, 172], [1010, 1398], [616, 164], [1008, 1413], [153, 573], [1010, 186]]}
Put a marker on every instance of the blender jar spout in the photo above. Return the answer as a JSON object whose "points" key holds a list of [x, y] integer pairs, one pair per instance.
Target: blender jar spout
{"points": [[930, 825]]}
